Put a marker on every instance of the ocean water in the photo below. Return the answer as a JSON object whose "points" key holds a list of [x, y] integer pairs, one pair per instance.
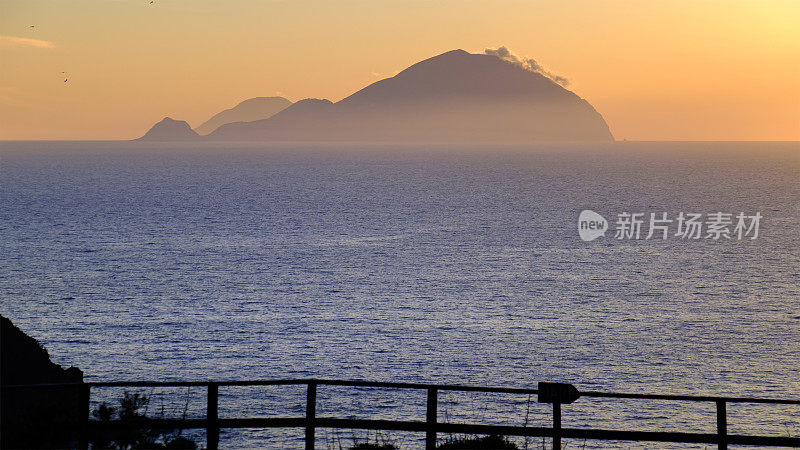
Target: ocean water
{"points": [[231, 262]]}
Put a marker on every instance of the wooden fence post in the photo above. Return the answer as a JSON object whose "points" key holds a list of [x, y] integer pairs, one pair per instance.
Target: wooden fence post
{"points": [[556, 426], [85, 404], [212, 417], [311, 415], [431, 418], [722, 425]]}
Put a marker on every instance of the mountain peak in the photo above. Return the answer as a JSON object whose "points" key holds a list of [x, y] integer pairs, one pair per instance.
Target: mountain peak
{"points": [[458, 76], [263, 100], [452, 53], [312, 101], [453, 59]]}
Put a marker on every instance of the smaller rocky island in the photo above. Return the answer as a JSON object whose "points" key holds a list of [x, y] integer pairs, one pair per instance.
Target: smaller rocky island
{"points": [[170, 130]]}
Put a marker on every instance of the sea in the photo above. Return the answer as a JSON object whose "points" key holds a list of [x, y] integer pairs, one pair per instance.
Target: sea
{"points": [[215, 261]]}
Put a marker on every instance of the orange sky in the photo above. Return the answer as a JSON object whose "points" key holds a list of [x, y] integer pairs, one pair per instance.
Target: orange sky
{"points": [[656, 70]]}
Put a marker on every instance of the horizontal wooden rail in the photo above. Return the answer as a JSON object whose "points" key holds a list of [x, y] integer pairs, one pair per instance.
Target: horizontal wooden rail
{"points": [[554, 393], [326, 382], [421, 386]]}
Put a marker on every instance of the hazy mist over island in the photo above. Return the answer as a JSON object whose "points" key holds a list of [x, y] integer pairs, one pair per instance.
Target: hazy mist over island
{"points": [[455, 97]]}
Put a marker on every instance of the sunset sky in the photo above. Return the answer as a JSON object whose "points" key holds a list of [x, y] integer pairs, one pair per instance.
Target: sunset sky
{"points": [[656, 70]]}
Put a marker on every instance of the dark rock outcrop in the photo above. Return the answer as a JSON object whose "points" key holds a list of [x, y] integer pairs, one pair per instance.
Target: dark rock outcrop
{"points": [[37, 417]]}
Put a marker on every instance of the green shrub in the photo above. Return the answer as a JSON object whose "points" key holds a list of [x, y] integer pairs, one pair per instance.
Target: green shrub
{"points": [[133, 432], [484, 442], [373, 446]]}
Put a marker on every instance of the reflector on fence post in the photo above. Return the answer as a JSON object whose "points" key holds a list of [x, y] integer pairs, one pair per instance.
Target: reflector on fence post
{"points": [[563, 393]]}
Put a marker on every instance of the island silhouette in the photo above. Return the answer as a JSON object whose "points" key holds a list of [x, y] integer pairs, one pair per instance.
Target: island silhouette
{"points": [[170, 130], [454, 97]]}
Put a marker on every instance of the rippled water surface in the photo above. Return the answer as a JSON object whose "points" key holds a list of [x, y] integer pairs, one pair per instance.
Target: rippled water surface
{"points": [[136, 262]]}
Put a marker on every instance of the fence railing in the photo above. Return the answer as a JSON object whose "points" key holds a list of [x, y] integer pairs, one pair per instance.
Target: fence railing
{"points": [[555, 394]]}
